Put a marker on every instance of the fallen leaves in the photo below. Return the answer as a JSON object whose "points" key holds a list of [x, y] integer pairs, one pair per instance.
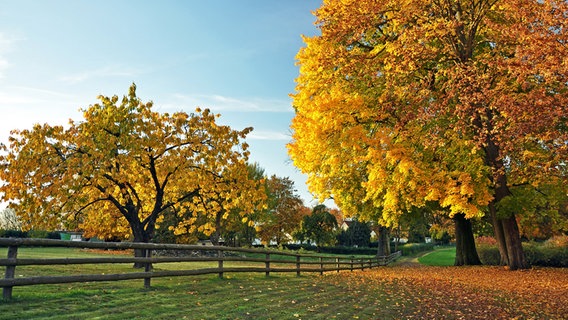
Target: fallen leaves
{"points": [[463, 292]]}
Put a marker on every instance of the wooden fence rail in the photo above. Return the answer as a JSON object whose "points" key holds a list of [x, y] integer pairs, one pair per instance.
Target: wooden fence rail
{"points": [[273, 261]]}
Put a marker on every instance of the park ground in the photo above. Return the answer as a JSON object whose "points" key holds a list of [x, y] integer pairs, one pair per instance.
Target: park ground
{"points": [[405, 290]]}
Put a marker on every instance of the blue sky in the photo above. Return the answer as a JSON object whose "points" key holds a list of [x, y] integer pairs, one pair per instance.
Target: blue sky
{"points": [[235, 57]]}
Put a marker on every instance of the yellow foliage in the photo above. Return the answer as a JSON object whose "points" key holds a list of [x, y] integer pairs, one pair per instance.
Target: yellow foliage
{"points": [[118, 171]]}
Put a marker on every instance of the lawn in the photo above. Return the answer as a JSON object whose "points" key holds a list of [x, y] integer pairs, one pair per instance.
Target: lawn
{"points": [[439, 257], [394, 292]]}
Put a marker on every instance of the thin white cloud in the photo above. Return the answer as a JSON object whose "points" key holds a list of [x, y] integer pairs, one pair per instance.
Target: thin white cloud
{"points": [[18, 96], [21, 107], [218, 103], [3, 66], [268, 135], [6, 43], [108, 71]]}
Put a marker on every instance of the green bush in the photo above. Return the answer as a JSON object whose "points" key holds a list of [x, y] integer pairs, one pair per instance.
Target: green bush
{"points": [[54, 235], [331, 250], [13, 234], [409, 249], [489, 254], [545, 255], [38, 234], [348, 250], [551, 253]]}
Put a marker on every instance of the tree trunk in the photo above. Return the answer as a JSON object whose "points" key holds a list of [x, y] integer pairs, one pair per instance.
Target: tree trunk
{"points": [[384, 242], [515, 254], [397, 237], [499, 235], [140, 235], [466, 253], [507, 230], [214, 237], [504, 224]]}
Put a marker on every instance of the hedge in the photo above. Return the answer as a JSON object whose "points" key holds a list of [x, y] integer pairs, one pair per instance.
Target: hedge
{"points": [[552, 253], [38, 234]]}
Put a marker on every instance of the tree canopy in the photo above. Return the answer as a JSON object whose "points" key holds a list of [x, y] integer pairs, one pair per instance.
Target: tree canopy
{"points": [[448, 101], [319, 227], [284, 212], [120, 169]]}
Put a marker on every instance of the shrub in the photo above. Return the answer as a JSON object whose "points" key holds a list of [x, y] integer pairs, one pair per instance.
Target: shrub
{"points": [[489, 254], [546, 254], [13, 234], [409, 249], [54, 235], [38, 234], [485, 240], [348, 250], [551, 253]]}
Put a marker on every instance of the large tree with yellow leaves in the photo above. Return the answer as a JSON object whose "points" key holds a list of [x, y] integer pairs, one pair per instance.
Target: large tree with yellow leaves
{"points": [[117, 172], [453, 101]]}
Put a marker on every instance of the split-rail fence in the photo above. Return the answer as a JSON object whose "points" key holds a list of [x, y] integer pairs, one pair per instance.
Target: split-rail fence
{"points": [[257, 260]]}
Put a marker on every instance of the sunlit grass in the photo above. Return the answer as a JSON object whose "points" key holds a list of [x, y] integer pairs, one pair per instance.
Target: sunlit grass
{"points": [[411, 292], [439, 257]]}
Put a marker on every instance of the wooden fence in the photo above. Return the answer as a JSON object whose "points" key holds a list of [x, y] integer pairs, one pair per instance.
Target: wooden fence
{"points": [[272, 261]]}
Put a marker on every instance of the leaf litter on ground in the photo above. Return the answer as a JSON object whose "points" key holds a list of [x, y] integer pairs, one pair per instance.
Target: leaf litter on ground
{"points": [[477, 292]]}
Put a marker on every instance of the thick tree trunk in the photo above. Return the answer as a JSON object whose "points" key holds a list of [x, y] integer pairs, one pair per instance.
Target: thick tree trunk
{"points": [[515, 254], [506, 230], [383, 242], [466, 253], [499, 235], [214, 237], [140, 235], [504, 225]]}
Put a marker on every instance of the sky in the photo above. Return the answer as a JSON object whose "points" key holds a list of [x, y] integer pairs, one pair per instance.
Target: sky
{"points": [[235, 57]]}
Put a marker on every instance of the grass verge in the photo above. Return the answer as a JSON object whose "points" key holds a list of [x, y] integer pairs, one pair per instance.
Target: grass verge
{"points": [[439, 257]]}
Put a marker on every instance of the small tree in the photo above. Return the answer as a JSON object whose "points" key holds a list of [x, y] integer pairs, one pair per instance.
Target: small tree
{"points": [[358, 234], [9, 220], [319, 227], [284, 213]]}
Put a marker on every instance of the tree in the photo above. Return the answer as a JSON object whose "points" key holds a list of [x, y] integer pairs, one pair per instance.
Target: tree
{"points": [[447, 101], [357, 234], [123, 167], [319, 226], [9, 220], [543, 209], [229, 223], [284, 211]]}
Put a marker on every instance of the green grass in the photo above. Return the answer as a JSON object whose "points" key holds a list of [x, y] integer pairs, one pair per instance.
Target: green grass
{"points": [[403, 292], [244, 296], [439, 257], [236, 296]]}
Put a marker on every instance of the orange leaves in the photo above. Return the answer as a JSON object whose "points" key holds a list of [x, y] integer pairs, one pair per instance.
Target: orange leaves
{"points": [[402, 102], [463, 292]]}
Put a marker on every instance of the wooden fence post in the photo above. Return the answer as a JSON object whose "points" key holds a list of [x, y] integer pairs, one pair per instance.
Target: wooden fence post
{"points": [[351, 263], [298, 266], [337, 261], [10, 272], [220, 255], [147, 268], [267, 263], [321, 266]]}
